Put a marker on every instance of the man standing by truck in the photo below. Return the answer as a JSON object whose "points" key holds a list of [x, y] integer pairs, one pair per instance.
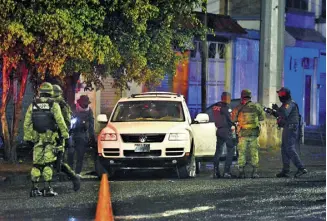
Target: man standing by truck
{"points": [[222, 117]]}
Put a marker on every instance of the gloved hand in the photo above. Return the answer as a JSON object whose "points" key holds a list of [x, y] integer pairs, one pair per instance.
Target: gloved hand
{"points": [[275, 107]]}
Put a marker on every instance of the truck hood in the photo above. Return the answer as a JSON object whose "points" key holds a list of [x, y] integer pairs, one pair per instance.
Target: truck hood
{"points": [[145, 127]]}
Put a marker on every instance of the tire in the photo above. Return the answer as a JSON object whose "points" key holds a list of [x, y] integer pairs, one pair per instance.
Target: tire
{"points": [[101, 169], [188, 170]]}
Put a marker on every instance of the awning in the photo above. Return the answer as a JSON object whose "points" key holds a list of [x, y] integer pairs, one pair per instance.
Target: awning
{"points": [[222, 24], [305, 34]]}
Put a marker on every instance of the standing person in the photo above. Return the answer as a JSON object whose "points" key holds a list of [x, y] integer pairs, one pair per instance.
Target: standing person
{"points": [[289, 120], [248, 115], [63, 143], [222, 118], [82, 131], [42, 121]]}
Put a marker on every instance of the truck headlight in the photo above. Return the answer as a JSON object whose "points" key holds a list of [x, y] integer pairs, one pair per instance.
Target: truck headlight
{"points": [[108, 137], [178, 136]]}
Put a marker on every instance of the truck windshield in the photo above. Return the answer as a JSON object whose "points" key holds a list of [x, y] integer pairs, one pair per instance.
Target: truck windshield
{"points": [[130, 111]]}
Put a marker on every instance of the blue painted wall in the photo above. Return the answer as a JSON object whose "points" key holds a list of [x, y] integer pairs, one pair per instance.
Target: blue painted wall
{"points": [[294, 73]]}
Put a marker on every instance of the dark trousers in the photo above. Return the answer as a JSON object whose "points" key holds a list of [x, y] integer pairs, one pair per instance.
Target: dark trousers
{"points": [[80, 146], [288, 150], [219, 150]]}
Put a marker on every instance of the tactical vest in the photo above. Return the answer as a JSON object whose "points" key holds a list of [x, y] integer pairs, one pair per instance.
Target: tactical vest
{"points": [[294, 116], [81, 123], [42, 117], [219, 113], [248, 116]]}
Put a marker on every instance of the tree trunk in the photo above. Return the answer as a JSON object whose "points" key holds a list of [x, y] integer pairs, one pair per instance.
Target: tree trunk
{"points": [[18, 101], [69, 90], [6, 69]]}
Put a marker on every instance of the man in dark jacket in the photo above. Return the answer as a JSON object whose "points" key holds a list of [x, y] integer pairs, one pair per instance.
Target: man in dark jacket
{"points": [[222, 118], [289, 120], [82, 133]]}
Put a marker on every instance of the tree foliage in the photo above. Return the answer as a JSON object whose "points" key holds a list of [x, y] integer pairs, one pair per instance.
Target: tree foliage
{"points": [[131, 40]]}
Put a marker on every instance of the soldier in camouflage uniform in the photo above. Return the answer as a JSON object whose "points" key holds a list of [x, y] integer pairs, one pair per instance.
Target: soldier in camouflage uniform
{"points": [[67, 113], [42, 120], [248, 114]]}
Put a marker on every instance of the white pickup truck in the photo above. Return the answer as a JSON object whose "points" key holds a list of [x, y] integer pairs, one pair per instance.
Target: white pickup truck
{"points": [[154, 130]]}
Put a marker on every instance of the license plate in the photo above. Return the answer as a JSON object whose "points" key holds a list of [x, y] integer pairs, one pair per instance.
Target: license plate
{"points": [[142, 147]]}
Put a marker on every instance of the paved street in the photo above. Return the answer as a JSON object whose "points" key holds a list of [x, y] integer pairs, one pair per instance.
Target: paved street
{"points": [[161, 196]]}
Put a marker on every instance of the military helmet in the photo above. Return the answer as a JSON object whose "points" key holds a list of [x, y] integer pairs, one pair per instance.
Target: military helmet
{"points": [[246, 93], [57, 91], [46, 88]]}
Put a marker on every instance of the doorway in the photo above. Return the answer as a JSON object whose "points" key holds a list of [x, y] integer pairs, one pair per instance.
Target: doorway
{"points": [[307, 99], [322, 99]]}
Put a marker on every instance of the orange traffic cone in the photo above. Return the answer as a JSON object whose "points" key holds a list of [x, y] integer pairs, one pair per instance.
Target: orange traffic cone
{"points": [[104, 208]]}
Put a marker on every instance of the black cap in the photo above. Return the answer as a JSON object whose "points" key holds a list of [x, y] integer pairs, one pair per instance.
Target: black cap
{"points": [[284, 89], [84, 99]]}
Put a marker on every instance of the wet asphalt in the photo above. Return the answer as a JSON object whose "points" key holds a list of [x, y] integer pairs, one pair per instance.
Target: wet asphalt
{"points": [[160, 195]]}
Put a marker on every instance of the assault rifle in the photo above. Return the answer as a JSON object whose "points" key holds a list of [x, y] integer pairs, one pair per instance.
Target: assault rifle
{"points": [[271, 111]]}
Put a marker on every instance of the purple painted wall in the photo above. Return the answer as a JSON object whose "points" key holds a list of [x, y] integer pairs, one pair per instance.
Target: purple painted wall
{"points": [[306, 20]]}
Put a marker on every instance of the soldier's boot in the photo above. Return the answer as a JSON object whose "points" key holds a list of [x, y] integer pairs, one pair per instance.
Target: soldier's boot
{"points": [[216, 172], [35, 192], [241, 173], [76, 182], [300, 172], [255, 173], [49, 192]]}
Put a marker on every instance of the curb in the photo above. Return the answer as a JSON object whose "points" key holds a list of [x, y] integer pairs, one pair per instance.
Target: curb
{"points": [[20, 179]]}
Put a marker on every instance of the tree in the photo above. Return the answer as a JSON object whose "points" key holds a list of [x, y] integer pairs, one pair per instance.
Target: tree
{"points": [[43, 35], [148, 34], [131, 40]]}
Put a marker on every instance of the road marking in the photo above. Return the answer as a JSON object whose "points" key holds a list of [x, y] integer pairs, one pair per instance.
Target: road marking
{"points": [[166, 213]]}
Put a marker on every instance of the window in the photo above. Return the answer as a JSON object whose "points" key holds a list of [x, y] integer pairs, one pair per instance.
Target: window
{"points": [[323, 9], [297, 4], [221, 50], [212, 50], [149, 111]]}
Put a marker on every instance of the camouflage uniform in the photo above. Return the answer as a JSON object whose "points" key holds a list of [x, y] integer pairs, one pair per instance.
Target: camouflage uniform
{"points": [[40, 127], [248, 115], [67, 113]]}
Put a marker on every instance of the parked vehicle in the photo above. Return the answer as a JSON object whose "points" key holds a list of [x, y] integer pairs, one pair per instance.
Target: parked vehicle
{"points": [[154, 130]]}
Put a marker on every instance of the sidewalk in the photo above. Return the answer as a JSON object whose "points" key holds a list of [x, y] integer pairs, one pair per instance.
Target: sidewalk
{"points": [[270, 161], [20, 173]]}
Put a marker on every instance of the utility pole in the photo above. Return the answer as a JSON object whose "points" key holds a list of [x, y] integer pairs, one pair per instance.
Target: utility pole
{"points": [[204, 61], [271, 64]]}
